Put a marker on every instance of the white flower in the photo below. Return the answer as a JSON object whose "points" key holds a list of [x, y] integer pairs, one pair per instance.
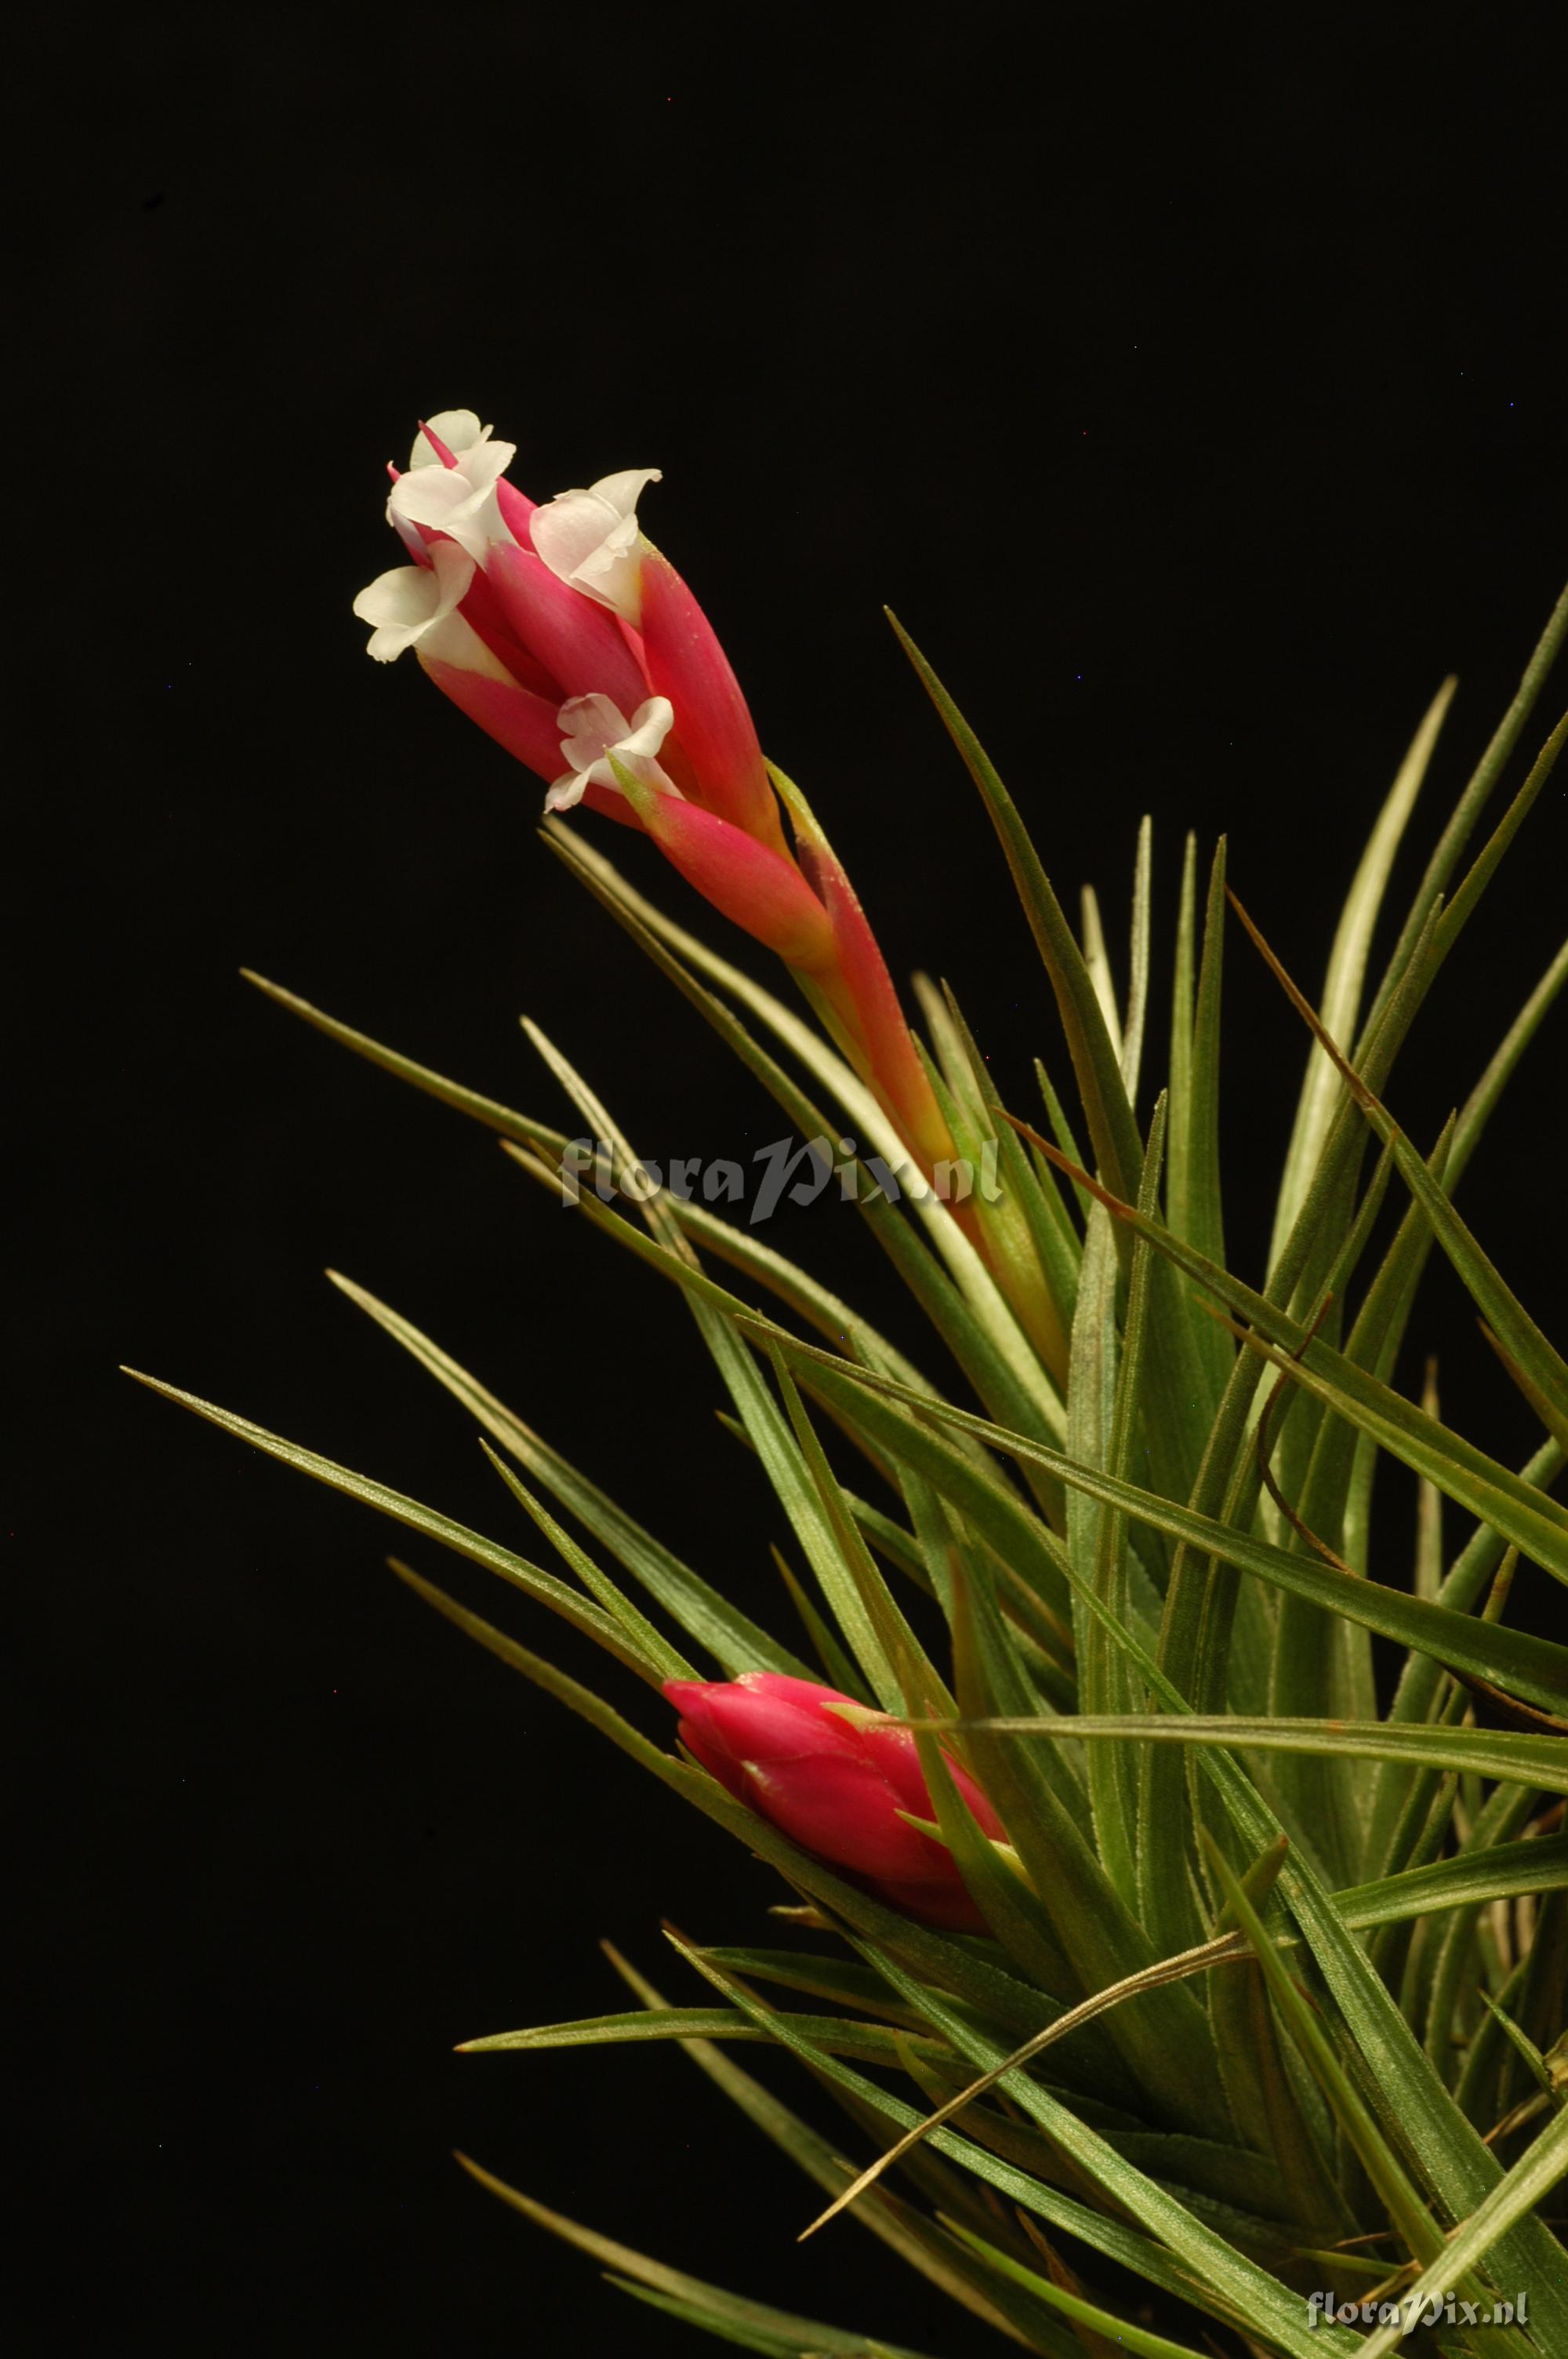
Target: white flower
{"points": [[592, 729], [461, 500], [589, 538], [417, 605], [460, 429]]}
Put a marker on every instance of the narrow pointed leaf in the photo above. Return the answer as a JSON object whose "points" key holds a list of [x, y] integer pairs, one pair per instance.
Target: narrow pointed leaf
{"points": [[1532, 2179], [736, 1643], [608, 1630], [1094, 1055], [1348, 965]]}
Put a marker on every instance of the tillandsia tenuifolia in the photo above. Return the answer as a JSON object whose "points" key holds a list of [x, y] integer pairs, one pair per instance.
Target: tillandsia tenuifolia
{"points": [[1127, 1923]]}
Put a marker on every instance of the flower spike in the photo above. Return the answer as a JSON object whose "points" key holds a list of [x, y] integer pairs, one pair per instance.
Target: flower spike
{"points": [[550, 626]]}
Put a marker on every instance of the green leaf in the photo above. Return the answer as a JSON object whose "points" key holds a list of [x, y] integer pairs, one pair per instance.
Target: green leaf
{"points": [[666, 1660], [1479, 874], [1422, 1678], [1026, 1553], [1062, 1131], [841, 1671], [489, 1110], [1192, 1184], [1096, 959], [1539, 2070], [896, 2224], [1461, 824], [1234, 2286], [843, 1981], [1551, 1411], [1198, 2267], [777, 1449], [1163, 2040], [998, 1996], [1138, 959], [1381, 2164], [1502, 1816], [1530, 2182], [1099, 1433], [1534, 1761], [1017, 1916], [1520, 1337], [794, 1285], [1272, 2109], [1460, 2168], [1322, 1663], [1458, 1469], [736, 1643], [1121, 2331], [1094, 1055], [1347, 966], [911, 1667], [727, 2315], [610, 1630], [1503, 1873], [964, 1304], [1534, 1668], [1177, 1152], [1019, 1545], [1047, 1248], [1106, 1681], [868, 2043], [1536, 1525], [1479, 1105]]}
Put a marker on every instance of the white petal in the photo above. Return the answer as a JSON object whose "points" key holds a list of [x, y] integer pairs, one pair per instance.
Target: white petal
{"points": [[566, 791], [486, 462], [460, 429], [402, 604], [491, 527], [406, 603], [588, 725], [650, 727], [622, 492], [610, 572], [568, 528], [446, 502], [589, 538], [452, 639], [449, 499], [594, 712], [454, 570], [409, 534], [409, 593], [429, 495]]}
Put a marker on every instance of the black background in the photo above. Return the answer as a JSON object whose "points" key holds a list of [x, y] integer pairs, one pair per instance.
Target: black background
{"points": [[1195, 396]]}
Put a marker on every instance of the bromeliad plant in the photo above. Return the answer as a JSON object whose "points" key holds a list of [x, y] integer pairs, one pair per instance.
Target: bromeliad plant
{"points": [[1191, 1987]]}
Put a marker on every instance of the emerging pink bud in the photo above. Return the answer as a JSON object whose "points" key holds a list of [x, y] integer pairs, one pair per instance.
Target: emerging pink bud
{"points": [[835, 1777]]}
